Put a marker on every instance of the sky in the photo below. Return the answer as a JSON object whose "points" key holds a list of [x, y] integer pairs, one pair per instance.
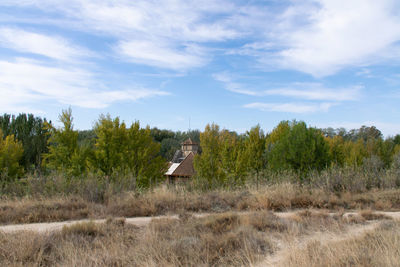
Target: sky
{"points": [[180, 64]]}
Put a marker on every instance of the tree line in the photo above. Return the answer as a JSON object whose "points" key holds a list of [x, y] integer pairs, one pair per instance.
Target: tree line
{"points": [[30, 144], [228, 158]]}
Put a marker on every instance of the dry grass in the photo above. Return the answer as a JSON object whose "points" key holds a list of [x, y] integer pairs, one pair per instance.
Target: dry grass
{"points": [[217, 240], [227, 239], [371, 215], [166, 201], [379, 247], [47, 210]]}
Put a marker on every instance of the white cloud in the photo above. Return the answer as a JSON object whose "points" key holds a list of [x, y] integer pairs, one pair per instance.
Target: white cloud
{"points": [[174, 19], [26, 82], [307, 91], [322, 37], [290, 107], [50, 46], [313, 91], [152, 54], [167, 35], [232, 86], [341, 33], [319, 37], [170, 34]]}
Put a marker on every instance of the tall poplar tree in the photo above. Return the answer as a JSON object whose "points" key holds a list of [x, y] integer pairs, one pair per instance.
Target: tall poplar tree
{"points": [[208, 163], [64, 153], [256, 151]]}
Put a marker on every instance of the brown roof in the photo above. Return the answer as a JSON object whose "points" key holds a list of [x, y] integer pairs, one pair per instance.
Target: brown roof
{"points": [[185, 168], [189, 142]]}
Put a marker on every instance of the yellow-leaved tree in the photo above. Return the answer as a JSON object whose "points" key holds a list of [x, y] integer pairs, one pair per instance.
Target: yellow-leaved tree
{"points": [[11, 153]]}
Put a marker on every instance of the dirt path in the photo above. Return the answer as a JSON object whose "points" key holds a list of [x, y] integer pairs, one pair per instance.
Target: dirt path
{"points": [[138, 221], [323, 237], [353, 231], [54, 226]]}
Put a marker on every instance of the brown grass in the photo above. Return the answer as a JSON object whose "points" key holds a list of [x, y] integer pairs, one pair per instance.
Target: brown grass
{"points": [[371, 215], [379, 247], [166, 201], [47, 210], [227, 239], [216, 240]]}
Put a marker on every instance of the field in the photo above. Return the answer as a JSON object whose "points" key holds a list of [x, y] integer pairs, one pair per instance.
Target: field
{"points": [[277, 225]]}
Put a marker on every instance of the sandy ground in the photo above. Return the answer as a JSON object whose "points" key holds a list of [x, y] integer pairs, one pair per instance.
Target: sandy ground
{"points": [[322, 237], [270, 260], [138, 221], [353, 231], [54, 226]]}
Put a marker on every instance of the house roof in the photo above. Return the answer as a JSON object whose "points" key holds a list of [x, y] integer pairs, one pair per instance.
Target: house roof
{"points": [[172, 168], [185, 168]]}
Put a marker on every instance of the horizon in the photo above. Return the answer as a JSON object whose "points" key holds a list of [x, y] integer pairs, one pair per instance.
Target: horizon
{"points": [[181, 63]]}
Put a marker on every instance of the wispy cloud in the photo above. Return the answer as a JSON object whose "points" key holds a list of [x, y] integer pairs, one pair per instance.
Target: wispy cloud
{"points": [[319, 37], [322, 37], [290, 107], [171, 34], [152, 54], [172, 37], [316, 91], [233, 86], [25, 82], [307, 91], [54, 47]]}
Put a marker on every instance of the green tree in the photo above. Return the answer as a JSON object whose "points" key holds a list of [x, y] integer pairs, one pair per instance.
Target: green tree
{"points": [[143, 156], [396, 139], [132, 151], [11, 152], [355, 152], [64, 153], [160, 135], [256, 151], [86, 138], [277, 133], [233, 158], [111, 145], [208, 163], [336, 149], [31, 132], [301, 149], [168, 147], [386, 151]]}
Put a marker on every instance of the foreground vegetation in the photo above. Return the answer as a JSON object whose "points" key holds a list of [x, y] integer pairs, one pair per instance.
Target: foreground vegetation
{"points": [[33, 146], [52, 174], [175, 200], [380, 247], [227, 239]]}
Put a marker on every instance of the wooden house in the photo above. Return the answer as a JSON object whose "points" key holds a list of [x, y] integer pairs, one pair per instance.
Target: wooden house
{"points": [[181, 167]]}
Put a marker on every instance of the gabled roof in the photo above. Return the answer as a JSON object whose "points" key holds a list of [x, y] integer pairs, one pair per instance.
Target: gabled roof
{"points": [[185, 168], [172, 168]]}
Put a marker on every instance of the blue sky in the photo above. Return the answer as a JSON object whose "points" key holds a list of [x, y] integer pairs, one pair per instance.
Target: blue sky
{"points": [[236, 63]]}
